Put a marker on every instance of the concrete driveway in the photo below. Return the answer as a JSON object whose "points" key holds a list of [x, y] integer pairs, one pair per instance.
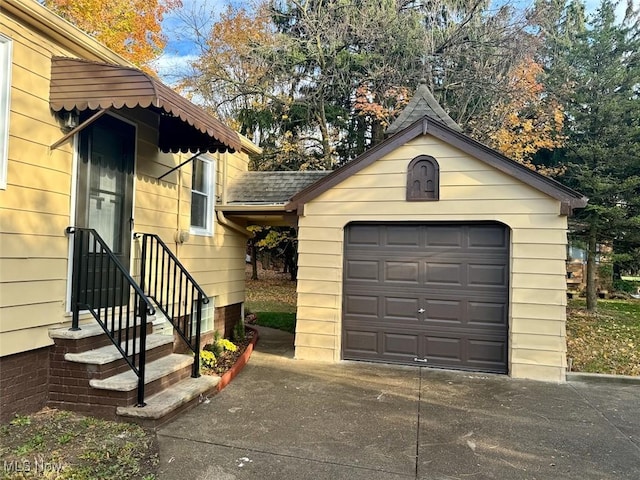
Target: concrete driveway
{"points": [[287, 419]]}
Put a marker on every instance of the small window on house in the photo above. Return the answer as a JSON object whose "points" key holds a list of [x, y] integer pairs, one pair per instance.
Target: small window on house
{"points": [[208, 313], [5, 95], [423, 179], [202, 195]]}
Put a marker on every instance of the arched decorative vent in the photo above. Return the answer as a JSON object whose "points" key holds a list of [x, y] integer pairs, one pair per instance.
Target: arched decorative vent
{"points": [[423, 179]]}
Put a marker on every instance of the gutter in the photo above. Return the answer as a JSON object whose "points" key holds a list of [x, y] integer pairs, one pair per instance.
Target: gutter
{"points": [[257, 208], [232, 225]]}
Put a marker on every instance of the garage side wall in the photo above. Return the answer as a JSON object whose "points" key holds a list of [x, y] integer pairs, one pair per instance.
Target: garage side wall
{"points": [[470, 190]]}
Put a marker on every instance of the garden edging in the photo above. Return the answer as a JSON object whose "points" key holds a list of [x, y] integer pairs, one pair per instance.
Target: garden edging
{"points": [[242, 360]]}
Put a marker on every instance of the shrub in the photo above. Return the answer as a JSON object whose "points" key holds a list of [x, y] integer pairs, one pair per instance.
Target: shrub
{"points": [[626, 286], [239, 333]]}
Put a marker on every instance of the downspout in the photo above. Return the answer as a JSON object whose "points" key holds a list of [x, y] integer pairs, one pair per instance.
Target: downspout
{"points": [[232, 225], [225, 162], [178, 230], [223, 200]]}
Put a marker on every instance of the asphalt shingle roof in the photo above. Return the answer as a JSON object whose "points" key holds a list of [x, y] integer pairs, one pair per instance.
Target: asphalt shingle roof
{"points": [[269, 188], [423, 103]]}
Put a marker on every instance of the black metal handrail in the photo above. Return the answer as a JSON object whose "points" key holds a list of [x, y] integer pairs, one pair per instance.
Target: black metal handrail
{"points": [[176, 293], [103, 286]]}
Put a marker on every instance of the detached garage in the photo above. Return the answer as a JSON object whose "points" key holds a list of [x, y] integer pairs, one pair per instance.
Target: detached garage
{"points": [[432, 249], [435, 294]]}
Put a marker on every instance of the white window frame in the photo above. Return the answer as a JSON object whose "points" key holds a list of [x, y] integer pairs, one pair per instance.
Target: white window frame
{"points": [[210, 192], [6, 47], [208, 316]]}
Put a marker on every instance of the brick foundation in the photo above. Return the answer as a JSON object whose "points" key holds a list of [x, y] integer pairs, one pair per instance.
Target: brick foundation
{"points": [[31, 380], [226, 318], [24, 383]]}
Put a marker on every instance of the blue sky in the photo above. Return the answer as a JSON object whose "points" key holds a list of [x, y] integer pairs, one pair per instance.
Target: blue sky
{"points": [[182, 42], [182, 48]]}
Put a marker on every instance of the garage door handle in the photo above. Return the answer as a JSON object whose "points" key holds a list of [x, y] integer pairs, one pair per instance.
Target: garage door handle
{"points": [[421, 310]]}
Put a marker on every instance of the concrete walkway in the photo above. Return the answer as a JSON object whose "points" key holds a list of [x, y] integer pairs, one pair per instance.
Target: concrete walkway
{"points": [[287, 419]]}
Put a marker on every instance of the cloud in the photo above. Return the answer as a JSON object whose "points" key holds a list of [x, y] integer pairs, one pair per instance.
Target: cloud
{"points": [[172, 68]]}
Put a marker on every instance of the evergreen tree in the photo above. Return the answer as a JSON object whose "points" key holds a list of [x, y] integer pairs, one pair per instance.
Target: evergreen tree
{"points": [[597, 79]]}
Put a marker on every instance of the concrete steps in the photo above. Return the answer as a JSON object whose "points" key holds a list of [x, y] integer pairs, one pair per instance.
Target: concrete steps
{"points": [[89, 375], [164, 405], [109, 353], [155, 370]]}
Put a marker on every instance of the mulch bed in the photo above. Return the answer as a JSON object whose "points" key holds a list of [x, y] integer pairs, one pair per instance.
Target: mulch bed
{"points": [[228, 359]]}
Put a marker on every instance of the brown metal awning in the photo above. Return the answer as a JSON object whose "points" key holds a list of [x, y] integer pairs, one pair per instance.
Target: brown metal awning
{"points": [[85, 85]]}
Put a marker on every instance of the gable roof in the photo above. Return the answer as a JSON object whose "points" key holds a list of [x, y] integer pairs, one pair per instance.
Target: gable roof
{"points": [[422, 104], [269, 188], [569, 198], [87, 85]]}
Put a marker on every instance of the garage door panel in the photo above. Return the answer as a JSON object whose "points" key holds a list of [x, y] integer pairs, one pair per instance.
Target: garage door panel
{"points": [[443, 348], [362, 271], [364, 236], [362, 306], [488, 354], [489, 236], [438, 297], [479, 275], [402, 236], [361, 342], [440, 236], [450, 311], [444, 273], [400, 308], [487, 313], [402, 271], [400, 345], [465, 352]]}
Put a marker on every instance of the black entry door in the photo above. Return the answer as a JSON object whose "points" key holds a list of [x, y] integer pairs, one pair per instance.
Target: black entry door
{"points": [[433, 295], [104, 203]]}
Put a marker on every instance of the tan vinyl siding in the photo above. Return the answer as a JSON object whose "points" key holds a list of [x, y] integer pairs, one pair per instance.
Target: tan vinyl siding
{"points": [[470, 190], [36, 208]]}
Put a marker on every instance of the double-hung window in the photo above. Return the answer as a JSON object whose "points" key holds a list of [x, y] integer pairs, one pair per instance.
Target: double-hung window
{"points": [[5, 95], [202, 195]]}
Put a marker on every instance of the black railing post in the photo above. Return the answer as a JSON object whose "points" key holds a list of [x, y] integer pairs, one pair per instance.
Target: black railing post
{"points": [[143, 263], [196, 358], [142, 360], [169, 291], [75, 279], [110, 303]]}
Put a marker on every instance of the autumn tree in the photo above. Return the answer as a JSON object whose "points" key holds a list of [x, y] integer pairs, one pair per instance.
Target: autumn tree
{"points": [[471, 48], [131, 28], [315, 82], [528, 119], [597, 80]]}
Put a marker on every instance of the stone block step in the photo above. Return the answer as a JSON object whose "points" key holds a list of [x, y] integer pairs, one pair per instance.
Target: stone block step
{"points": [[127, 381], [170, 399], [91, 329], [109, 353]]}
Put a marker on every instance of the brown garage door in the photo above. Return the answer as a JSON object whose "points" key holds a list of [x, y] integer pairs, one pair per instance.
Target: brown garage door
{"points": [[433, 295]]}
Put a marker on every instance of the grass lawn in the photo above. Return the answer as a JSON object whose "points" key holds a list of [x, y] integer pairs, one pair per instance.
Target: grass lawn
{"points": [[55, 444], [273, 299], [607, 341]]}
